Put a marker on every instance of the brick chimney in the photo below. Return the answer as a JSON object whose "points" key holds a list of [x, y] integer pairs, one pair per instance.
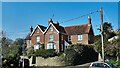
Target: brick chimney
{"points": [[31, 29], [89, 20], [50, 21], [57, 23]]}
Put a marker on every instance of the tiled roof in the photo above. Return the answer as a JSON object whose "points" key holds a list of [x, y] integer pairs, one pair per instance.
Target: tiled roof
{"points": [[28, 37], [70, 30], [59, 28], [78, 29], [42, 27]]}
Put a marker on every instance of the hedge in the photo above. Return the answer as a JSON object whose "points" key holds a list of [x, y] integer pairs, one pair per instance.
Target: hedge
{"points": [[45, 53], [77, 54]]}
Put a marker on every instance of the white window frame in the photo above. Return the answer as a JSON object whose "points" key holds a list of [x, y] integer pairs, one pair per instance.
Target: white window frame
{"points": [[50, 46], [80, 37], [37, 38], [51, 37], [36, 47]]}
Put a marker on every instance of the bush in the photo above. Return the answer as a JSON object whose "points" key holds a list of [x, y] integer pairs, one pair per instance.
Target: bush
{"points": [[116, 63], [79, 54], [45, 53]]}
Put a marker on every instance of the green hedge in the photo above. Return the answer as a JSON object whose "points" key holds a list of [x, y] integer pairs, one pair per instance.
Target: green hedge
{"points": [[77, 54], [45, 53]]}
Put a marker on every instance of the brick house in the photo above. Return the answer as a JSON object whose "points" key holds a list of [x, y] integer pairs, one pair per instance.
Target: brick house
{"points": [[55, 36]]}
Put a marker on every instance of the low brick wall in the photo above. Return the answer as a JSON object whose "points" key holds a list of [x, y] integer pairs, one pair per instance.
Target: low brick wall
{"points": [[53, 61]]}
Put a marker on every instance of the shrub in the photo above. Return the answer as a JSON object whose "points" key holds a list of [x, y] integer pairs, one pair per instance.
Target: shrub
{"points": [[45, 53], [116, 63], [79, 54]]}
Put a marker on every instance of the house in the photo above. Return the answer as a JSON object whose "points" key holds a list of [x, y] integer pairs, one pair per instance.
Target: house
{"points": [[55, 36]]}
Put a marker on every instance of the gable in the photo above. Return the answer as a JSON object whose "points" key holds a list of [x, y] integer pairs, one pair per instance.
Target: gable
{"points": [[48, 28], [37, 28]]}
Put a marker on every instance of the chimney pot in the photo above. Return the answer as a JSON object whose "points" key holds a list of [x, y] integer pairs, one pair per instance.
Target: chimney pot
{"points": [[57, 23], [89, 20], [50, 21], [31, 29]]}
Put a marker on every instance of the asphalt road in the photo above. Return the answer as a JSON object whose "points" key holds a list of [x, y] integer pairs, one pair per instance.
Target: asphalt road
{"points": [[78, 66]]}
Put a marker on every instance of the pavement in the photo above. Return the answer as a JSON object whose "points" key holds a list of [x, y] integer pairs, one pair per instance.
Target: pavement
{"points": [[78, 66]]}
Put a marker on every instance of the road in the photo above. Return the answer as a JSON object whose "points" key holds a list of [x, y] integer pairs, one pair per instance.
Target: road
{"points": [[78, 66]]}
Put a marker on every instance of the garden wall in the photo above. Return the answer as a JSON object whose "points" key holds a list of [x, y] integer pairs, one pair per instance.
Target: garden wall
{"points": [[53, 61]]}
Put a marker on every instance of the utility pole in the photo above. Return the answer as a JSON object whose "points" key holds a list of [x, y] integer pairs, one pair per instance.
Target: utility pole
{"points": [[101, 28]]}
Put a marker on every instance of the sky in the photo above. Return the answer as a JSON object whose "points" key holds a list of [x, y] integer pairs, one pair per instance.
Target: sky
{"points": [[17, 17], [60, 0]]}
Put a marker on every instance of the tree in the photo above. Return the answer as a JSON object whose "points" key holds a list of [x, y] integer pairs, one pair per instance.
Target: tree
{"points": [[107, 30], [10, 52], [115, 46], [79, 53], [107, 33], [19, 41]]}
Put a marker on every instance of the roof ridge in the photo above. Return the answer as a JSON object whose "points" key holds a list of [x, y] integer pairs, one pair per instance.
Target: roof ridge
{"points": [[41, 25], [76, 25]]}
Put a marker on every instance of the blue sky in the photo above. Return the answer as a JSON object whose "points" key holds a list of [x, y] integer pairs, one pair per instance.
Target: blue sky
{"points": [[17, 17]]}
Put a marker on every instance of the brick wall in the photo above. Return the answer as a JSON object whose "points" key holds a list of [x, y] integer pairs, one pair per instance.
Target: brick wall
{"points": [[33, 38], [55, 36], [74, 39]]}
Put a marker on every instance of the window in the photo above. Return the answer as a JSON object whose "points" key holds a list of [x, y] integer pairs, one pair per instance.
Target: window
{"points": [[69, 38], [50, 46], [51, 29], [51, 37], [37, 31], [36, 46], [79, 37], [37, 38]]}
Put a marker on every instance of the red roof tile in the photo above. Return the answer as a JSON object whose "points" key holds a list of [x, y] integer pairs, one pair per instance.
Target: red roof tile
{"points": [[78, 29], [59, 28]]}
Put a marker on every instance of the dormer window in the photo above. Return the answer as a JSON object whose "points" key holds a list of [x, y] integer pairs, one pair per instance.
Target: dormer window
{"points": [[51, 28]]}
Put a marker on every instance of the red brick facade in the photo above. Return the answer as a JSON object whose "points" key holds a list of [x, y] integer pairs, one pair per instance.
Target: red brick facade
{"points": [[55, 36]]}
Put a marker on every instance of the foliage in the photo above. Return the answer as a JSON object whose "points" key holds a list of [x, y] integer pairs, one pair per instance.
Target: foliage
{"points": [[42, 46], [10, 52], [19, 41], [116, 63], [30, 52], [97, 43], [115, 46], [45, 53], [79, 54], [11, 55], [107, 34]]}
